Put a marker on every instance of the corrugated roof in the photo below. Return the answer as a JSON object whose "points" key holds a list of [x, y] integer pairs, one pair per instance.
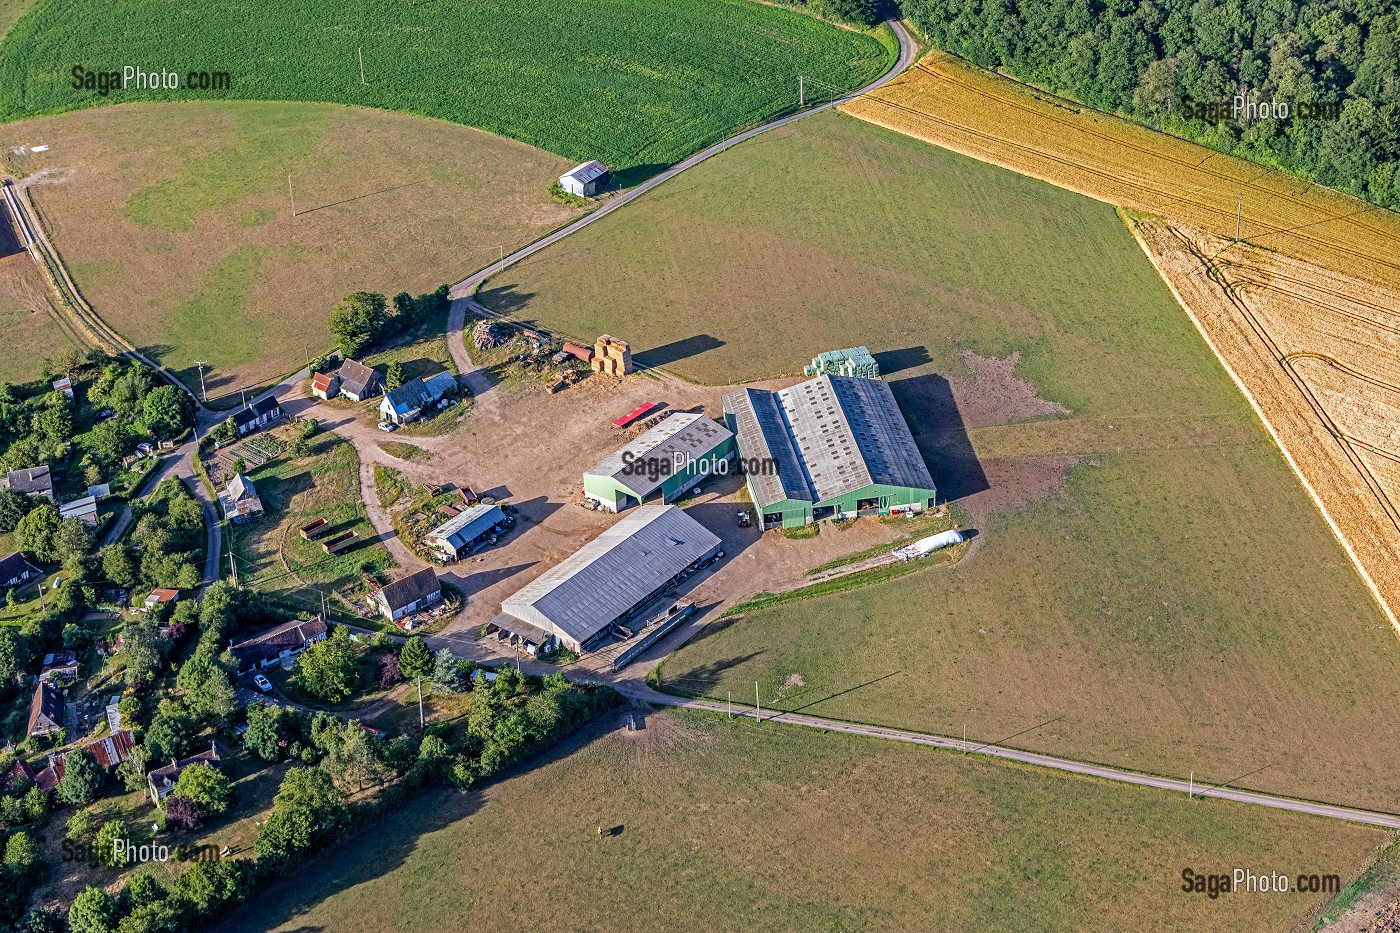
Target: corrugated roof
{"points": [[764, 437], [468, 524], [845, 433], [610, 575], [417, 392], [239, 487], [588, 171], [683, 433]]}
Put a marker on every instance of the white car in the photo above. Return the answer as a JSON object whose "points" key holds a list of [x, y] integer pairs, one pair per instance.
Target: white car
{"points": [[388, 426], [145, 449], [262, 683]]}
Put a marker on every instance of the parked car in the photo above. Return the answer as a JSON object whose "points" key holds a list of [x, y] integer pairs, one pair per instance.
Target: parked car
{"points": [[744, 519], [388, 427], [262, 683], [145, 449]]}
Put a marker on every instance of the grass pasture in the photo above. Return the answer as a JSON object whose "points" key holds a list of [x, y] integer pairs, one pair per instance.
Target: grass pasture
{"points": [[272, 556], [174, 220], [1150, 585], [636, 83], [726, 826], [27, 314]]}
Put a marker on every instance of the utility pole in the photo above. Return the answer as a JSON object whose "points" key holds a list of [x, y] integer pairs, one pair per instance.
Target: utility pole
{"points": [[361, 54], [233, 568], [731, 704], [1191, 786], [202, 390], [964, 738], [290, 195], [1239, 209], [801, 91], [757, 709]]}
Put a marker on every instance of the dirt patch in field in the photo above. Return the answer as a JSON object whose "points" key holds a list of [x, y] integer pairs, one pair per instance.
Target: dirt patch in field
{"points": [[941, 410], [1015, 483]]}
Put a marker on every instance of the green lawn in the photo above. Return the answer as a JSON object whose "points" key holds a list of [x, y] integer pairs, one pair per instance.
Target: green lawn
{"points": [[729, 826], [635, 83], [1147, 573], [272, 556]]}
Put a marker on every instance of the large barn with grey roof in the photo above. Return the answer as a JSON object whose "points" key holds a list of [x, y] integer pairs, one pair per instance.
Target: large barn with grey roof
{"points": [[609, 580], [831, 447]]}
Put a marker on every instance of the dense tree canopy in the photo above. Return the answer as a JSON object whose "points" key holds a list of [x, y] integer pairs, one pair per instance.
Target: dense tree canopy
{"points": [[1178, 65]]}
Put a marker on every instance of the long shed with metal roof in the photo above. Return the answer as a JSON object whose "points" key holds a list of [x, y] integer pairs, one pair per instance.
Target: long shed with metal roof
{"points": [[663, 463], [830, 447], [611, 578]]}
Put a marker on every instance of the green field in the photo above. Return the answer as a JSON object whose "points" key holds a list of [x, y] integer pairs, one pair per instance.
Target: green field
{"points": [[729, 826], [1148, 573], [635, 83]]}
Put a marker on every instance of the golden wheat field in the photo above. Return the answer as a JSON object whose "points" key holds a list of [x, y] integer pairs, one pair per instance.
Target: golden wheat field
{"points": [[950, 103], [1318, 355]]}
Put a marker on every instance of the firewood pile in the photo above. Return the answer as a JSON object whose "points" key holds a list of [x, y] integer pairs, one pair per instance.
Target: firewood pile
{"points": [[486, 336]]}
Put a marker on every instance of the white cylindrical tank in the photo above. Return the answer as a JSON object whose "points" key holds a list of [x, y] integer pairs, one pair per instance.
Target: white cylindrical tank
{"points": [[925, 546]]}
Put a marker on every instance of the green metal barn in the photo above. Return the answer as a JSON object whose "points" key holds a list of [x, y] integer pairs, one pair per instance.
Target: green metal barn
{"points": [[831, 447], [661, 464]]}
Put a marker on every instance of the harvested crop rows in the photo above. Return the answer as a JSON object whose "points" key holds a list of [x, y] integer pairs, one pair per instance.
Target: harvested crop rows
{"points": [[949, 103], [1318, 355], [636, 83]]}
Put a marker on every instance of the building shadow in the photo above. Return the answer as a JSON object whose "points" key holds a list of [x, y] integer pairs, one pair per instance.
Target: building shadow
{"points": [[932, 412], [897, 361], [9, 239], [534, 511], [471, 583], [635, 175], [677, 350]]}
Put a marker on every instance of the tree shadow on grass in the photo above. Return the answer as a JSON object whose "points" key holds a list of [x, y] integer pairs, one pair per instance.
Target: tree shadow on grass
{"points": [[385, 845], [503, 299]]}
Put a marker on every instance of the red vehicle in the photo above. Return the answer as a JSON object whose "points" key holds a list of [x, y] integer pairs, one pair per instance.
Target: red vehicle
{"points": [[627, 419]]}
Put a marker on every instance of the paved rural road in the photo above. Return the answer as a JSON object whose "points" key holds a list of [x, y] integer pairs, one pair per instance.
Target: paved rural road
{"points": [[465, 288], [1330, 811]]}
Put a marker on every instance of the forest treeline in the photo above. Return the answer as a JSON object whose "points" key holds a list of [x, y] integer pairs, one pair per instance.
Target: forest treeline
{"points": [[1178, 65]]}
